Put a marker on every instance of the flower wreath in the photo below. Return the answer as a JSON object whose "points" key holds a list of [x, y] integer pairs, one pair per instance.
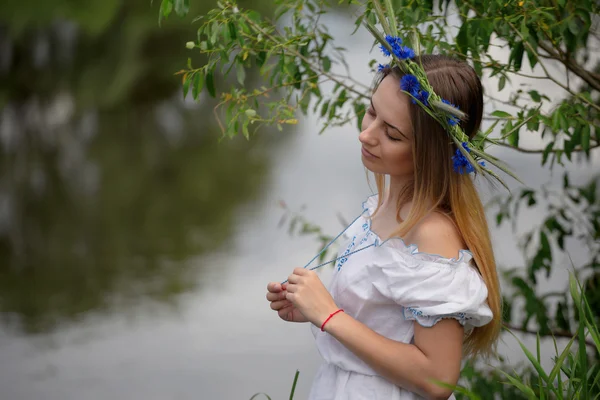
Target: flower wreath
{"points": [[470, 155]]}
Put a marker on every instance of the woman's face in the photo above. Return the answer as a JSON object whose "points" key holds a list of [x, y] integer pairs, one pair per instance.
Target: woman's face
{"points": [[387, 132]]}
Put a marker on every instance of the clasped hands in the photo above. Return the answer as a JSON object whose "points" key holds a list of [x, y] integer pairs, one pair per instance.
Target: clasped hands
{"points": [[303, 298]]}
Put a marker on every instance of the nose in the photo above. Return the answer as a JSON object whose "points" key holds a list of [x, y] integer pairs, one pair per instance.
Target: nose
{"points": [[368, 136]]}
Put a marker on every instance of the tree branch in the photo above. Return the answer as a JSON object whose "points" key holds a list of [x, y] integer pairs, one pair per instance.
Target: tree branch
{"points": [[572, 65], [560, 334], [540, 151], [300, 56]]}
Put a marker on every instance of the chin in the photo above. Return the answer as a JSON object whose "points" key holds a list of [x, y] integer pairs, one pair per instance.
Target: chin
{"points": [[369, 165]]}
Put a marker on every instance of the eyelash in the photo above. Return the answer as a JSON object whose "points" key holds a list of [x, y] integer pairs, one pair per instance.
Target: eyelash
{"points": [[372, 113]]}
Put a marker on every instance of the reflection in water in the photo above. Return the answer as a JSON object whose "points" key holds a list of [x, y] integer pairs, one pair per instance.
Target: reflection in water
{"points": [[109, 185]]}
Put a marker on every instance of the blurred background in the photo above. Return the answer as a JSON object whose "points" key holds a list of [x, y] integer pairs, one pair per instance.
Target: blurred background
{"points": [[135, 243]]}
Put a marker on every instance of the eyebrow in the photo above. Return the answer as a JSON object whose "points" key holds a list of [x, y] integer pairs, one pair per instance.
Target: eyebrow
{"points": [[388, 124]]}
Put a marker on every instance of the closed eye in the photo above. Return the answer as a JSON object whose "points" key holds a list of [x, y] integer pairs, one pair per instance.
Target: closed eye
{"points": [[371, 111]]}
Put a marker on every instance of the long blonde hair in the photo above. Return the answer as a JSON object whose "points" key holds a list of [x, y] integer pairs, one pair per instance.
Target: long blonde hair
{"points": [[436, 183]]}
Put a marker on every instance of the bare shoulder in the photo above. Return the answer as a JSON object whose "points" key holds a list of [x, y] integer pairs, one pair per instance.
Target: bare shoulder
{"points": [[437, 234]]}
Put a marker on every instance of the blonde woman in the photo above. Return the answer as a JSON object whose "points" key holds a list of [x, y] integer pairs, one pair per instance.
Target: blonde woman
{"points": [[415, 287]]}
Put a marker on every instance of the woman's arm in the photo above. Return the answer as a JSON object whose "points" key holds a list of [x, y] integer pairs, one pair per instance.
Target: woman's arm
{"points": [[436, 354]]}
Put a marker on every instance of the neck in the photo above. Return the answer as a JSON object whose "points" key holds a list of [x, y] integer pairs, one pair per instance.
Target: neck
{"points": [[396, 187]]}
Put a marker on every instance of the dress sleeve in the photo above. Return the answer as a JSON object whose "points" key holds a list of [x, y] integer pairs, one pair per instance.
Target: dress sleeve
{"points": [[431, 287]]}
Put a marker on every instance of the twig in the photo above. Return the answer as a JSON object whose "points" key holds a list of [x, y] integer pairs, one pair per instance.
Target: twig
{"points": [[561, 334], [572, 65], [297, 54], [539, 151], [553, 79]]}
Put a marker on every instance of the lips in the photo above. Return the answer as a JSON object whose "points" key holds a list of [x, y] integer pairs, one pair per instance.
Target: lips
{"points": [[366, 153]]}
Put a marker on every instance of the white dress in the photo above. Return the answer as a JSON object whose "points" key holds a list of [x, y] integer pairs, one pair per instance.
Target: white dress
{"points": [[388, 287]]}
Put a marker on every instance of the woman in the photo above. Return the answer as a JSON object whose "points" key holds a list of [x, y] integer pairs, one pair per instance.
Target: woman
{"points": [[425, 293]]}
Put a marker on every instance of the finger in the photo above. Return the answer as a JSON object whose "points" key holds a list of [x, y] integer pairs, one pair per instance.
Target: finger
{"points": [[278, 305], [274, 287], [293, 278], [292, 288], [276, 296], [301, 271], [290, 296], [286, 313]]}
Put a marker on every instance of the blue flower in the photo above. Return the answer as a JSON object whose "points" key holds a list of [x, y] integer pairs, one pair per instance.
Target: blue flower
{"points": [[452, 120], [423, 97], [394, 43], [409, 83], [381, 67], [461, 163], [385, 51], [393, 40], [403, 52]]}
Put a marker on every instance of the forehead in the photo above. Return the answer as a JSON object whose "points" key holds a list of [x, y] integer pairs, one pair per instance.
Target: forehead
{"points": [[392, 105]]}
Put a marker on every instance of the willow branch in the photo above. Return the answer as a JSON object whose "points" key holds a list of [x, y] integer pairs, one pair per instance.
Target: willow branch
{"points": [[572, 65], [553, 79], [540, 151]]}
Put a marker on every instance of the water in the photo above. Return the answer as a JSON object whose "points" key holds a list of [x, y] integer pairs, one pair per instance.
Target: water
{"points": [[136, 255]]}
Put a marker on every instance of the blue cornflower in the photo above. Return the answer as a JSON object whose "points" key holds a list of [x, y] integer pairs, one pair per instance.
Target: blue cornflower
{"points": [[385, 51], [403, 52], [394, 42], [423, 97], [381, 67], [452, 120], [409, 83], [461, 163]]}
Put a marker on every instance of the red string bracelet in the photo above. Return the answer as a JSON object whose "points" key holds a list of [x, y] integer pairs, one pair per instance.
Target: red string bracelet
{"points": [[328, 318]]}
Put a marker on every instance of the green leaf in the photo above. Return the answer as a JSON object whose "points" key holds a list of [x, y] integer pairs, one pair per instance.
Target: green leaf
{"points": [[564, 123], [585, 139], [210, 83], [182, 7], [524, 30], [245, 129], [501, 83], [560, 361], [240, 73], [326, 64], [535, 96], [197, 84], [186, 85], [516, 55], [166, 6], [232, 30], [526, 390], [573, 25], [536, 364], [501, 114], [513, 139], [294, 384]]}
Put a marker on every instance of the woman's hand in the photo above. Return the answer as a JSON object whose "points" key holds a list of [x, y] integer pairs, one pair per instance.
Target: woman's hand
{"points": [[308, 294], [286, 310]]}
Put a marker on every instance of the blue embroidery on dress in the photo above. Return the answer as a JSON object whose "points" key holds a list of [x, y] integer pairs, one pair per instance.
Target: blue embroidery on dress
{"points": [[365, 238], [461, 317], [348, 250]]}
